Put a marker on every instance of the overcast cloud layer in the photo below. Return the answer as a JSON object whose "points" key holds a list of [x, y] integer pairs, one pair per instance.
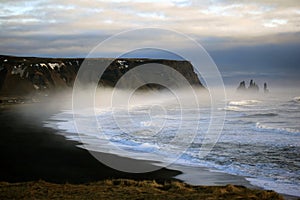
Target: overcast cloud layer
{"points": [[226, 28]]}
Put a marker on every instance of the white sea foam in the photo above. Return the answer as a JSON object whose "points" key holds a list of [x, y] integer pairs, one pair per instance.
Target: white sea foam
{"points": [[278, 186], [234, 108], [296, 99], [241, 105], [276, 129], [243, 102]]}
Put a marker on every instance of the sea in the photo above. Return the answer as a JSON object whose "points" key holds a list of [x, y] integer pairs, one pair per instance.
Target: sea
{"points": [[259, 138]]}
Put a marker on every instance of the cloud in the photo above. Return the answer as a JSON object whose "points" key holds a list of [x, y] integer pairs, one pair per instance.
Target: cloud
{"points": [[275, 23], [73, 25]]}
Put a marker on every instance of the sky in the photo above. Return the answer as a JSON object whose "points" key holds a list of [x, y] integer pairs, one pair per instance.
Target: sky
{"points": [[246, 39]]}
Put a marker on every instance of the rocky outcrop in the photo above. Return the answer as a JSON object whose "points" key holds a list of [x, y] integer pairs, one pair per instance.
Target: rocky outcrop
{"points": [[266, 90], [242, 86], [253, 87], [20, 76]]}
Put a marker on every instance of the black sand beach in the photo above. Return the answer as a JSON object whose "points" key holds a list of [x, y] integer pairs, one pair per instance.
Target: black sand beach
{"points": [[31, 152]]}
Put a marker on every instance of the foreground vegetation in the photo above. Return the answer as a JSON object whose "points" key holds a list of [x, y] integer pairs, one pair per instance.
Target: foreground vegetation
{"points": [[128, 189]]}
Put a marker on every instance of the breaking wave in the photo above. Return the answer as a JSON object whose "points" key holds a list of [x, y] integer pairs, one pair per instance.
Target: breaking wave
{"points": [[296, 99], [243, 102], [261, 126]]}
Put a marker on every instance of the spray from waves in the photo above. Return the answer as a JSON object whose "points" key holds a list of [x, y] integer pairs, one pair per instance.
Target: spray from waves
{"points": [[105, 98], [263, 127]]}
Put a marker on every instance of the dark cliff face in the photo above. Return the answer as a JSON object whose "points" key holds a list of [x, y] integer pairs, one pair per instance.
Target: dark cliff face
{"points": [[20, 76]]}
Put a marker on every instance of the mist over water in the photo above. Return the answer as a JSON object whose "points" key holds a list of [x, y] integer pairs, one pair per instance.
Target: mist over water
{"points": [[260, 138]]}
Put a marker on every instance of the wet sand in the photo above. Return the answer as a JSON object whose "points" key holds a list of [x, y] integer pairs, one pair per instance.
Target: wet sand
{"points": [[203, 176]]}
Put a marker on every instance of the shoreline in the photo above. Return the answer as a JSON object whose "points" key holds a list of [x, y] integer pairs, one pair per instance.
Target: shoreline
{"points": [[33, 152], [204, 176]]}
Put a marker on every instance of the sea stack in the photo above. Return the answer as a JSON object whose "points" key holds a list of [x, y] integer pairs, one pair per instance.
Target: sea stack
{"points": [[266, 90], [242, 86], [253, 87]]}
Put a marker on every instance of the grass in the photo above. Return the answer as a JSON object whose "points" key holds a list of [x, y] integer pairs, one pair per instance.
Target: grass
{"points": [[128, 189]]}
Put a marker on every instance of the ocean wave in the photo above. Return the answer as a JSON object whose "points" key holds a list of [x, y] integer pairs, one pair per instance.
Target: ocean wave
{"points": [[296, 99], [243, 102], [225, 157], [233, 108], [276, 129], [262, 115]]}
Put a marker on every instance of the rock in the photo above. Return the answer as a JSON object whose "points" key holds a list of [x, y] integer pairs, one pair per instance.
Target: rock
{"points": [[242, 86], [266, 90], [253, 87]]}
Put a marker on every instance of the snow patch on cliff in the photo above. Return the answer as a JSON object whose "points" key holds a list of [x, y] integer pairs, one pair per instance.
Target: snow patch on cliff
{"points": [[57, 65], [18, 70]]}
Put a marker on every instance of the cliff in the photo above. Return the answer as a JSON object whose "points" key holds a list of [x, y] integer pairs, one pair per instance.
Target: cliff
{"points": [[23, 76]]}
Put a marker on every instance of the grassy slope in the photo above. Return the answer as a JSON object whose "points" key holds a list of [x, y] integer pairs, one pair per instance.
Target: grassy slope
{"points": [[128, 189]]}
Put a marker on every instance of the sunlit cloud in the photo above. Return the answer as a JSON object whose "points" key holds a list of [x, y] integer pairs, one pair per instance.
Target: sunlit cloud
{"points": [[275, 23]]}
